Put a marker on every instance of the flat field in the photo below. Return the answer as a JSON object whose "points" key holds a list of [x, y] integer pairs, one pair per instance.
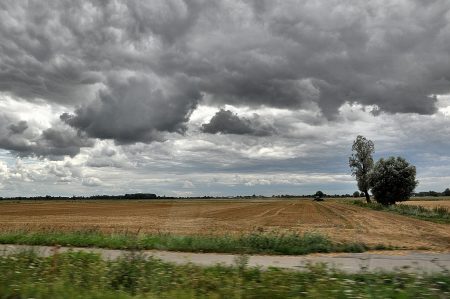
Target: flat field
{"points": [[429, 204], [337, 220]]}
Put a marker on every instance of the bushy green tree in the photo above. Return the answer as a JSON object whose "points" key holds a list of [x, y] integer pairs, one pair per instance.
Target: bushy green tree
{"points": [[392, 180], [319, 194], [356, 194], [361, 163]]}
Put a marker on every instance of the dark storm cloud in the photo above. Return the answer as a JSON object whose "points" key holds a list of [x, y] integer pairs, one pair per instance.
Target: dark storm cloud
{"points": [[53, 143], [286, 54], [136, 109], [60, 142], [169, 20], [40, 56], [18, 128], [62, 51], [227, 122]]}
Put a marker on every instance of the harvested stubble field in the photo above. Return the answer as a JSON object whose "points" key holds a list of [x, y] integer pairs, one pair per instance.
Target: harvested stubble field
{"points": [[339, 221], [429, 204]]}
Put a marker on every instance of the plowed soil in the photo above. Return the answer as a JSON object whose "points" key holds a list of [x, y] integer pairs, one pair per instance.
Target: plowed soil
{"points": [[340, 221]]}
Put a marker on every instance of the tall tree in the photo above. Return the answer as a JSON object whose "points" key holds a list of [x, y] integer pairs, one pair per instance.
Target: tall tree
{"points": [[361, 163]]}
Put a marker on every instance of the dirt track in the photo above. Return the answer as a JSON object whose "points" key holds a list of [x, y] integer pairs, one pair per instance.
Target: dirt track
{"points": [[418, 262], [339, 221]]}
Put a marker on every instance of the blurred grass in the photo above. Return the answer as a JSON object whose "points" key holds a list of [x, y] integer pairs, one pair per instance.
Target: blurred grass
{"points": [[266, 243], [436, 214], [86, 275]]}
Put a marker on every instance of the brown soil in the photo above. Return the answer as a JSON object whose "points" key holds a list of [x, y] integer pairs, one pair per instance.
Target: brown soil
{"points": [[340, 221]]}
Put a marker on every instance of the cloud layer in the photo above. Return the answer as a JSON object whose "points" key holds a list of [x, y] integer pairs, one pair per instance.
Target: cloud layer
{"points": [[271, 84], [273, 53]]}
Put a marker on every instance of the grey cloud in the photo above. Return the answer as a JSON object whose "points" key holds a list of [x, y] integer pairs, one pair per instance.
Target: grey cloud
{"points": [[167, 19], [52, 143], [60, 142], [102, 162], [18, 128], [108, 152], [227, 122], [107, 156], [39, 56], [285, 54], [293, 53], [62, 51], [136, 109]]}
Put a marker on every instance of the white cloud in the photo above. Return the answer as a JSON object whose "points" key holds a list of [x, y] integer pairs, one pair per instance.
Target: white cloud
{"points": [[91, 182], [188, 184], [3, 168]]}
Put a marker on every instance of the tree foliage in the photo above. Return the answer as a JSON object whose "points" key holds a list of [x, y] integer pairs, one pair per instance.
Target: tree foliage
{"points": [[319, 194], [361, 163], [392, 180], [446, 192]]}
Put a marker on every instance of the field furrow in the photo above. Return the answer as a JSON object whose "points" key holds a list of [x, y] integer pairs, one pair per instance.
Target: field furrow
{"points": [[340, 221]]}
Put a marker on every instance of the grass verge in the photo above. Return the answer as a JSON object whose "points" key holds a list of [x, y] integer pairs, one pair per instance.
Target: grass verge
{"points": [[437, 214], [265, 243], [86, 275]]}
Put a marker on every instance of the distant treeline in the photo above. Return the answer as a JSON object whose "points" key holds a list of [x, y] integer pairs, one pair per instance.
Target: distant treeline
{"points": [[311, 195], [154, 196], [95, 197], [433, 193], [151, 196]]}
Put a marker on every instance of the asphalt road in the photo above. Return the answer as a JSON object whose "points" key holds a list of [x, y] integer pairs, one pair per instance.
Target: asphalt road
{"points": [[410, 261]]}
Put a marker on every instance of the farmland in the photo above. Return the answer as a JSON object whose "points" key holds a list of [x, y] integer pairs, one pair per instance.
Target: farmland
{"points": [[429, 204], [339, 221]]}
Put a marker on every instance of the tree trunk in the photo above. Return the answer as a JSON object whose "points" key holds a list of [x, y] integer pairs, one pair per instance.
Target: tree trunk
{"points": [[367, 196]]}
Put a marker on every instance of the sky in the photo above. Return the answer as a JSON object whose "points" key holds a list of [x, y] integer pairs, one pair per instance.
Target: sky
{"points": [[219, 98]]}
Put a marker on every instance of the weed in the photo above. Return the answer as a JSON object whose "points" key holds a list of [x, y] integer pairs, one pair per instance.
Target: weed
{"points": [[267, 243], [86, 275]]}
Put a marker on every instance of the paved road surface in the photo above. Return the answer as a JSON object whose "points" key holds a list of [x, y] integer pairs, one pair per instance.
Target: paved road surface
{"points": [[349, 262]]}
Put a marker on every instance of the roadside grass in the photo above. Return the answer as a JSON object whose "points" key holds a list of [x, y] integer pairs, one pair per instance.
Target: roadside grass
{"points": [[254, 243], [86, 275], [436, 214]]}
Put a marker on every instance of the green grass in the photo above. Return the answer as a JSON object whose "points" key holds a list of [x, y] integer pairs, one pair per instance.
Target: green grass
{"points": [[267, 243], [437, 214], [86, 275]]}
